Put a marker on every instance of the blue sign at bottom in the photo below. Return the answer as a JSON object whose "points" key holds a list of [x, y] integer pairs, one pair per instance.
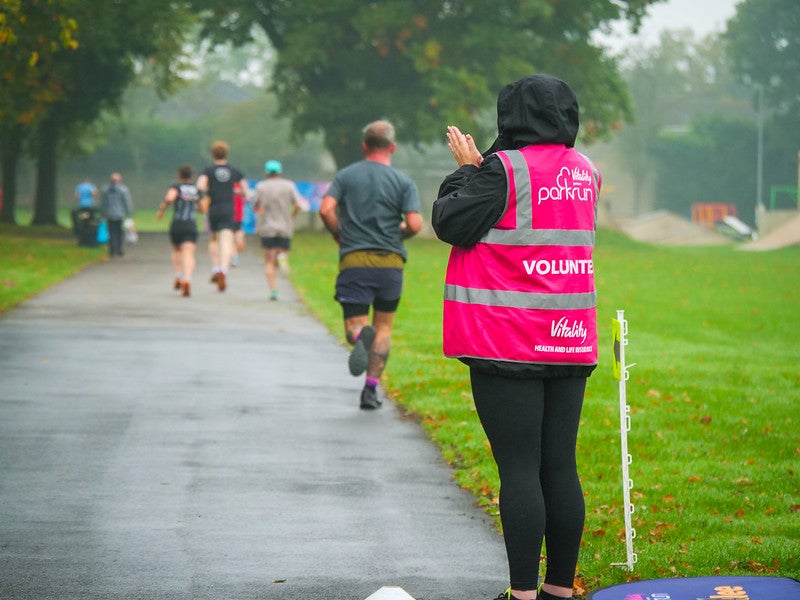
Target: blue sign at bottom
{"points": [[719, 587]]}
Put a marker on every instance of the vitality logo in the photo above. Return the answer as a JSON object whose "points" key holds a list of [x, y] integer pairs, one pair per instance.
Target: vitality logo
{"points": [[563, 329]]}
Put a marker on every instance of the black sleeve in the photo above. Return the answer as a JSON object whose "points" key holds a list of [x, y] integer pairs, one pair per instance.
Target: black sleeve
{"points": [[470, 201]]}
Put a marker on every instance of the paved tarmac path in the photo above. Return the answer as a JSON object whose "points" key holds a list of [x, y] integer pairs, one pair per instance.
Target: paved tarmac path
{"points": [[153, 446]]}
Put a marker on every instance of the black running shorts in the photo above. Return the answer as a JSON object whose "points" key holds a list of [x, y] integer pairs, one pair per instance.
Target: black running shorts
{"points": [[276, 242], [181, 232], [365, 286]]}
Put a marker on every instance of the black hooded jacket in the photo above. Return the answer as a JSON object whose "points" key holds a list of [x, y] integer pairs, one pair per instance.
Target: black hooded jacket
{"points": [[539, 109]]}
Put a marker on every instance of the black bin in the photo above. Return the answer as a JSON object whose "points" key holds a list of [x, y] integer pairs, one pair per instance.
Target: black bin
{"points": [[85, 222]]}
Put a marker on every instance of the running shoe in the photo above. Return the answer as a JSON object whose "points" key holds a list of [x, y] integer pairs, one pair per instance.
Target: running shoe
{"points": [[359, 356], [369, 398], [273, 295], [540, 595], [283, 263], [221, 281], [186, 286], [177, 285], [215, 277]]}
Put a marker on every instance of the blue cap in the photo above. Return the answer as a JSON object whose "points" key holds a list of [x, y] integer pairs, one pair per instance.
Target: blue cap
{"points": [[273, 166]]}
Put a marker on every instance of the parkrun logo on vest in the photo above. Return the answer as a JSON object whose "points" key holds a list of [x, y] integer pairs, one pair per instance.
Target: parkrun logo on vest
{"points": [[559, 267], [568, 186], [563, 329]]}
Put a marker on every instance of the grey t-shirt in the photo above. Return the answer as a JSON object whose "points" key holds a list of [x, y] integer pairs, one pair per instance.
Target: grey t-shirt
{"points": [[372, 200], [277, 197]]}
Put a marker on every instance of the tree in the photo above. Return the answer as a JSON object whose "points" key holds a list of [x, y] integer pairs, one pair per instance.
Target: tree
{"points": [[711, 162], [151, 136], [112, 41], [424, 63], [32, 34], [673, 84], [764, 47]]}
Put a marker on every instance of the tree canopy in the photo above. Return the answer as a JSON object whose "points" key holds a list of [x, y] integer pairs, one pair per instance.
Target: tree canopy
{"points": [[764, 47], [64, 91], [674, 86], [32, 34], [424, 64]]}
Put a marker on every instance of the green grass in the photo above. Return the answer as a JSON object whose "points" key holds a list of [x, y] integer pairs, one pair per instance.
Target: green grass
{"points": [[35, 258], [145, 218], [714, 393], [715, 335]]}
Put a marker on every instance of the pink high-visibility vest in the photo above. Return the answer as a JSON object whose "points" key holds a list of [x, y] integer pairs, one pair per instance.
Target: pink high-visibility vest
{"points": [[525, 292]]}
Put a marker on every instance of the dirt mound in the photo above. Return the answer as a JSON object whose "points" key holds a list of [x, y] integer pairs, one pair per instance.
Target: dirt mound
{"points": [[787, 234], [663, 227]]}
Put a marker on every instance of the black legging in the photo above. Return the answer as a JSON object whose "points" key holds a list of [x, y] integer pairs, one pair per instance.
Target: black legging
{"points": [[532, 426]]}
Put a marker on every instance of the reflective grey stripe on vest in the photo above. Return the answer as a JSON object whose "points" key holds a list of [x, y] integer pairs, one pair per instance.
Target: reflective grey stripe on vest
{"points": [[502, 298], [522, 182], [539, 237]]}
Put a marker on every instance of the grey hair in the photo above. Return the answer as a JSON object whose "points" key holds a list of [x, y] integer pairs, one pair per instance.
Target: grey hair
{"points": [[379, 134]]}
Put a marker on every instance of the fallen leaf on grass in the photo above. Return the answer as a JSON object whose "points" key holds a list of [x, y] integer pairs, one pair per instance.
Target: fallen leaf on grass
{"points": [[758, 567], [579, 587]]}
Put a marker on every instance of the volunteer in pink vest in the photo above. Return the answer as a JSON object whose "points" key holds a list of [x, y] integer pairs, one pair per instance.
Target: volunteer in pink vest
{"points": [[519, 311]]}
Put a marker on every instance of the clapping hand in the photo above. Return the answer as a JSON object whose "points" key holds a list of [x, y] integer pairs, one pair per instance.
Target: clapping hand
{"points": [[463, 147]]}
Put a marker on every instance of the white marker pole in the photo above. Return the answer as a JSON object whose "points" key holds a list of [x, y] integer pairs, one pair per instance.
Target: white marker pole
{"points": [[620, 333]]}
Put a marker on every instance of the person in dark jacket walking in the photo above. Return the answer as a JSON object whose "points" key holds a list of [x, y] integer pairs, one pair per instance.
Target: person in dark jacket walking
{"points": [[116, 205], [519, 311]]}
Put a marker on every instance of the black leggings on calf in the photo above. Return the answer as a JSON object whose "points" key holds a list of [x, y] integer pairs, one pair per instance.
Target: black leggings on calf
{"points": [[532, 426]]}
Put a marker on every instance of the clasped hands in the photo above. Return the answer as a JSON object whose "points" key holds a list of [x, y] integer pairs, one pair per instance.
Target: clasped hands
{"points": [[463, 147]]}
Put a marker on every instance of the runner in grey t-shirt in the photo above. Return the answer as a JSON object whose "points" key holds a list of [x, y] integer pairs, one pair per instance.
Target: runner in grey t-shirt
{"points": [[370, 207], [277, 201], [373, 199]]}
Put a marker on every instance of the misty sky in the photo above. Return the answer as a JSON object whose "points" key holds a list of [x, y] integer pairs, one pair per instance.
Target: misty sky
{"points": [[703, 16]]}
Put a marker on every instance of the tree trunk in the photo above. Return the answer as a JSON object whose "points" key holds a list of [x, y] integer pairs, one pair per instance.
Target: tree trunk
{"points": [[46, 165], [9, 159], [344, 145]]}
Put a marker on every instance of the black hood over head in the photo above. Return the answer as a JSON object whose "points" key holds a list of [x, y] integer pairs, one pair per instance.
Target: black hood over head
{"points": [[538, 109]]}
